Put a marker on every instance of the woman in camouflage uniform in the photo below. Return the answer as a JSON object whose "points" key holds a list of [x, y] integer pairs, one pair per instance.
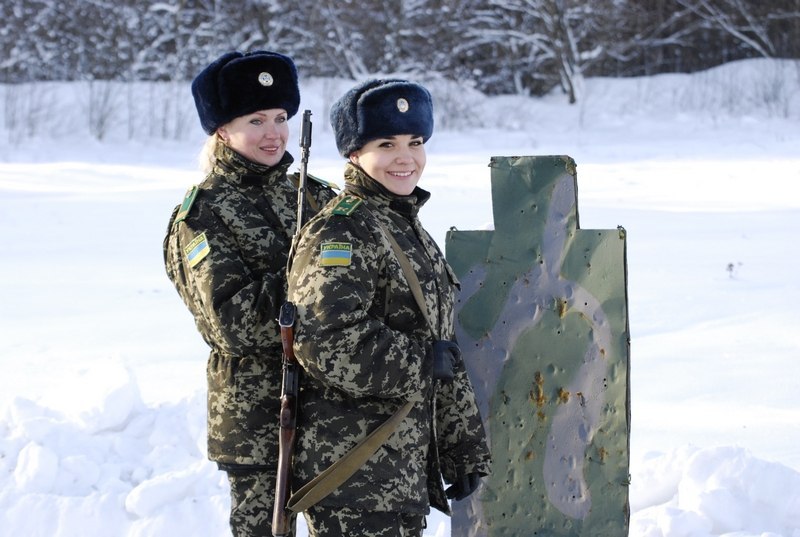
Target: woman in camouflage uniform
{"points": [[226, 250], [365, 344]]}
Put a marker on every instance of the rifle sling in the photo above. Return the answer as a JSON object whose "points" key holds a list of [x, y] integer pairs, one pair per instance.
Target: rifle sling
{"points": [[411, 277], [341, 470]]}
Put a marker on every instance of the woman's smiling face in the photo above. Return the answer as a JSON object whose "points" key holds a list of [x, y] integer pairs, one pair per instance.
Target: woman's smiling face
{"points": [[396, 162], [260, 136]]}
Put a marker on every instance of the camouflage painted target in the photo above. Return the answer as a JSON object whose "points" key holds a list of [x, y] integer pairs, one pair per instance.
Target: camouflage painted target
{"points": [[542, 322]]}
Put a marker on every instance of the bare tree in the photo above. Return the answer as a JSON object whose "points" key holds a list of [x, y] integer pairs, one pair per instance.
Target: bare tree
{"points": [[100, 102], [496, 46], [735, 18], [538, 44]]}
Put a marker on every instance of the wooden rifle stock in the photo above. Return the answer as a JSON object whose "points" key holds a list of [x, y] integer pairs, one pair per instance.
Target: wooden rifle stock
{"points": [[281, 526]]}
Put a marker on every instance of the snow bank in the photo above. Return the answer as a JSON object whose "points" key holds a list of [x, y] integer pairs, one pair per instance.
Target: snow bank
{"points": [[109, 465], [120, 467], [717, 491]]}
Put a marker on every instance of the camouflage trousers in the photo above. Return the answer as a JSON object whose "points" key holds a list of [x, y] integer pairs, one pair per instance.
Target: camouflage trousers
{"points": [[330, 522], [252, 500]]}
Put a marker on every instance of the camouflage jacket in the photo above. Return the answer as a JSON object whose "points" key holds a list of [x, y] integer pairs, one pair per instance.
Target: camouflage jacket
{"points": [[226, 250], [364, 346]]}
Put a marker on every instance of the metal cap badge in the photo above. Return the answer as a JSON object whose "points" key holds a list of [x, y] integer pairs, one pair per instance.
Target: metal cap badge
{"points": [[265, 79]]}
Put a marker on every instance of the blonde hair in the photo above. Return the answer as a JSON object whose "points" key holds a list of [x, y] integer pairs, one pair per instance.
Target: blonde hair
{"points": [[207, 157]]}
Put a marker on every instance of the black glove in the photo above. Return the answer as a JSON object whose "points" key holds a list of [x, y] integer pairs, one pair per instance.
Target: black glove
{"points": [[445, 353], [464, 486]]}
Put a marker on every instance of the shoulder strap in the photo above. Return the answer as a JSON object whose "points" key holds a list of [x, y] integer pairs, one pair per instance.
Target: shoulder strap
{"points": [[324, 182], [340, 471], [295, 180], [345, 207], [411, 277], [186, 205]]}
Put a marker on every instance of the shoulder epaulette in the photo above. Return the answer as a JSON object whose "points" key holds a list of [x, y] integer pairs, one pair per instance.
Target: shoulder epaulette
{"points": [[323, 182], [294, 178], [347, 205], [186, 206]]}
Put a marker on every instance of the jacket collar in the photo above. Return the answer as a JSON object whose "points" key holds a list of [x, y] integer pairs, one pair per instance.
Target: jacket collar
{"points": [[358, 183], [239, 169]]}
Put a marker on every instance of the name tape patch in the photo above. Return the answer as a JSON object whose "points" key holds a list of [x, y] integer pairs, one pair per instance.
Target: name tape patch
{"points": [[197, 250], [335, 254]]}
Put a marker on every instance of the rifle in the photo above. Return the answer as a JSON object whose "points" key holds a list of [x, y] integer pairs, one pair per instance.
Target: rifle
{"points": [[291, 369]]}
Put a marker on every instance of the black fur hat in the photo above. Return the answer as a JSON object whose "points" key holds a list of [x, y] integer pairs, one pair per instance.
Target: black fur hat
{"points": [[236, 84], [378, 108]]}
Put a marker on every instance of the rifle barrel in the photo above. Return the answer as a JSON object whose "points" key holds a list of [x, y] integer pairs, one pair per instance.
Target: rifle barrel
{"points": [[281, 525]]}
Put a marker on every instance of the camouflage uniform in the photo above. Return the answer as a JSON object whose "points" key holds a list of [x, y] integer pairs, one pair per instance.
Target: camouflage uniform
{"points": [[364, 346], [226, 250]]}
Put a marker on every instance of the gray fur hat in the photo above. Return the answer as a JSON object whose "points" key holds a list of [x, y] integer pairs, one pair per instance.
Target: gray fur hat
{"points": [[236, 84], [378, 108]]}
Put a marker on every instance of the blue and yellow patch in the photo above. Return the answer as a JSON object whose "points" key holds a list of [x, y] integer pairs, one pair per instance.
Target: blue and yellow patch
{"points": [[335, 254], [197, 250]]}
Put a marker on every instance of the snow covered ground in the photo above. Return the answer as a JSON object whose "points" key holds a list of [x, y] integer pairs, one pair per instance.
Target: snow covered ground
{"points": [[102, 428]]}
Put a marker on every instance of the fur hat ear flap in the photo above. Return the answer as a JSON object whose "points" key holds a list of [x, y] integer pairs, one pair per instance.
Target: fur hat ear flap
{"points": [[380, 108], [236, 84]]}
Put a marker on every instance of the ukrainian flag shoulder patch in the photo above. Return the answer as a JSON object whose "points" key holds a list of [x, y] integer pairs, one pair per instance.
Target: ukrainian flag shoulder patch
{"points": [[197, 250], [335, 254]]}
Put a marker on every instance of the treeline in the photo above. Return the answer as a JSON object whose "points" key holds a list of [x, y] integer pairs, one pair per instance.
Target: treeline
{"points": [[524, 47]]}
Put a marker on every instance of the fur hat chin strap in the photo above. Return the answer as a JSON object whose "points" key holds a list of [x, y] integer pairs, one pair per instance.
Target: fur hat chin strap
{"points": [[380, 108]]}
